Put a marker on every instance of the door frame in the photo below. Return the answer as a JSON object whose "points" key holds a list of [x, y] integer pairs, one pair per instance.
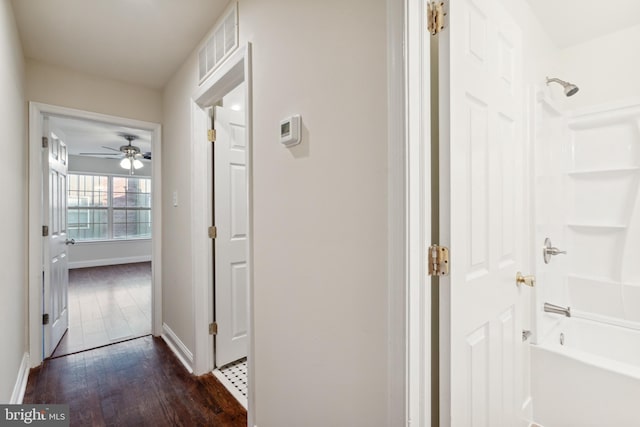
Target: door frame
{"points": [[36, 112], [416, 213], [235, 70]]}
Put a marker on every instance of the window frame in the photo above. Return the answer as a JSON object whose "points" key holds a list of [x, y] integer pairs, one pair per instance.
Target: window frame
{"points": [[110, 209]]}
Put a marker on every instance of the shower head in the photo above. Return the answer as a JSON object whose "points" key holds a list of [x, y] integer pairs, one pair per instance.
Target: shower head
{"points": [[569, 88]]}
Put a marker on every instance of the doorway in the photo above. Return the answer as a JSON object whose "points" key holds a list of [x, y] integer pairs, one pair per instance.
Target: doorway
{"points": [[223, 102], [108, 224], [88, 221]]}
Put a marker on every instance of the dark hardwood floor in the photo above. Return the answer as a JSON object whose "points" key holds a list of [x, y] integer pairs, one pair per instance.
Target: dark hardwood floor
{"points": [[133, 383]]}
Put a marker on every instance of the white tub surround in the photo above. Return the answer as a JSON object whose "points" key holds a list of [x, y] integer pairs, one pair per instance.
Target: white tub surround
{"points": [[591, 380], [603, 216], [587, 198]]}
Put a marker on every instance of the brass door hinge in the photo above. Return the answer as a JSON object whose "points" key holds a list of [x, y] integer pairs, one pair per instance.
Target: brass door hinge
{"points": [[213, 232], [435, 17], [213, 328], [45, 230], [45, 319], [211, 135], [438, 260], [45, 142]]}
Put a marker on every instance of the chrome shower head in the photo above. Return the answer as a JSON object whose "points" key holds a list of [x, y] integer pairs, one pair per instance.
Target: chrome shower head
{"points": [[569, 88]]}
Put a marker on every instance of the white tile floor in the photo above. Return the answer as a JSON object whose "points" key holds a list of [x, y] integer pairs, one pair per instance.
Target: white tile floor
{"points": [[234, 377], [106, 305]]}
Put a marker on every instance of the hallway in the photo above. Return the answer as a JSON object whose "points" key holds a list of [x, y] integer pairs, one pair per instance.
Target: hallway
{"points": [[133, 383]]}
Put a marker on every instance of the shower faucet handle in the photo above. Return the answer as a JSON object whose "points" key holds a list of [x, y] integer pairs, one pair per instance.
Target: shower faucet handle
{"points": [[555, 251], [548, 250]]}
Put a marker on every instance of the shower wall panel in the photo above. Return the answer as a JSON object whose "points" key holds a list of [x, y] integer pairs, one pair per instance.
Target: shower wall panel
{"points": [[603, 215]]}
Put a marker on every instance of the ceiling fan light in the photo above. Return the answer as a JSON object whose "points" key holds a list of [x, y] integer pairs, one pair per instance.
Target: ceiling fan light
{"points": [[137, 164], [125, 163]]}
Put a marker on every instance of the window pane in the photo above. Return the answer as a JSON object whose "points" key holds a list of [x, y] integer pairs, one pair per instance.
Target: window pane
{"points": [[139, 230], [120, 230], [119, 200], [131, 223], [119, 184], [88, 203], [88, 224], [144, 201], [119, 216], [88, 190]]}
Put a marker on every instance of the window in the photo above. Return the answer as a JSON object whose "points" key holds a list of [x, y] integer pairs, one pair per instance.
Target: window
{"points": [[131, 208], [102, 207]]}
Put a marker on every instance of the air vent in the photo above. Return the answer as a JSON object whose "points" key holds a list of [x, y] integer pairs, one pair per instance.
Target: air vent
{"points": [[223, 41]]}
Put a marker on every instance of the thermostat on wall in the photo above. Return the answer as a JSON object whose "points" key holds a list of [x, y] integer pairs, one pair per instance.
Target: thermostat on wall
{"points": [[290, 131]]}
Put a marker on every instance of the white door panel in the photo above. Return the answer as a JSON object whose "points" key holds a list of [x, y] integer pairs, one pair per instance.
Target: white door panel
{"points": [[231, 249], [485, 214], [56, 270]]}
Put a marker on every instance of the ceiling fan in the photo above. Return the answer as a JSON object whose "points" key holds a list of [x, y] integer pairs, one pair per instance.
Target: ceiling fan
{"points": [[130, 154]]}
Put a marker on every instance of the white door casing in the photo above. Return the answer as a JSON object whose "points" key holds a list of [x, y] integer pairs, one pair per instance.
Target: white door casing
{"points": [[37, 244], [56, 270], [231, 249], [482, 202]]}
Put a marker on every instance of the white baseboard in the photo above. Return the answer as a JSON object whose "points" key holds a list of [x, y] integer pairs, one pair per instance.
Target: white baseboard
{"points": [[109, 261], [21, 382], [177, 346]]}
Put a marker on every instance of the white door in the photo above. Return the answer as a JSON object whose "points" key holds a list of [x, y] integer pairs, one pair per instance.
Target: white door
{"points": [[231, 248], [56, 270], [482, 215]]}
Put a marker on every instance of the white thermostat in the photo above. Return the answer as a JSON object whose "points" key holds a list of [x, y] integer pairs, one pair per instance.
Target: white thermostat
{"points": [[290, 131]]}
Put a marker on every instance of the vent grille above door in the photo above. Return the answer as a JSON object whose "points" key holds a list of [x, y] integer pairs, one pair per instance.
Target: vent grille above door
{"points": [[223, 40]]}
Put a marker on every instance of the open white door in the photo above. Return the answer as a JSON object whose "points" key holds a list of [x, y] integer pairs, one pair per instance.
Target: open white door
{"points": [[231, 248], [55, 260], [482, 215]]}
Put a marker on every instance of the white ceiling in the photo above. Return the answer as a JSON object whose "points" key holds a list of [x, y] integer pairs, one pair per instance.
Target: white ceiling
{"points": [[136, 41], [570, 22], [84, 136]]}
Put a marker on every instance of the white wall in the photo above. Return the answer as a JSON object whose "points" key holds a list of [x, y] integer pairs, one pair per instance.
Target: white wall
{"points": [[319, 210], [606, 68], [64, 87], [13, 226], [93, 254], [80, 164], [177, 287]]}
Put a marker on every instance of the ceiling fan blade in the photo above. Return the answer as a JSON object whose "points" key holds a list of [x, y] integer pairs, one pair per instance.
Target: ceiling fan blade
{"points": [[147, 155], [109, 148], [99, 154]]}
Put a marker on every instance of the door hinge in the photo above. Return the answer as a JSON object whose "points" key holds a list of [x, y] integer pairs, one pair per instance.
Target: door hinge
{"points": [[211, 135], [45, 230], [438, 260], [213, 232], [45, 142], [213, 328], [45, 319], [435, 17]]}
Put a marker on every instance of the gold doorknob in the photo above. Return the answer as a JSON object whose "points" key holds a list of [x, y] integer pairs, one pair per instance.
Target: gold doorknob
{"points": [[525, 280]]}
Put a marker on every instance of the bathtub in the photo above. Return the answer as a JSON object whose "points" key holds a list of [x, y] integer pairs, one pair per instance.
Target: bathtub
{"points": [[592, 379]]}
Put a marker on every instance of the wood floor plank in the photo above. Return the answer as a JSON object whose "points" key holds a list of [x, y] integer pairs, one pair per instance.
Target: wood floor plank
{"points": [[133, 383]]}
